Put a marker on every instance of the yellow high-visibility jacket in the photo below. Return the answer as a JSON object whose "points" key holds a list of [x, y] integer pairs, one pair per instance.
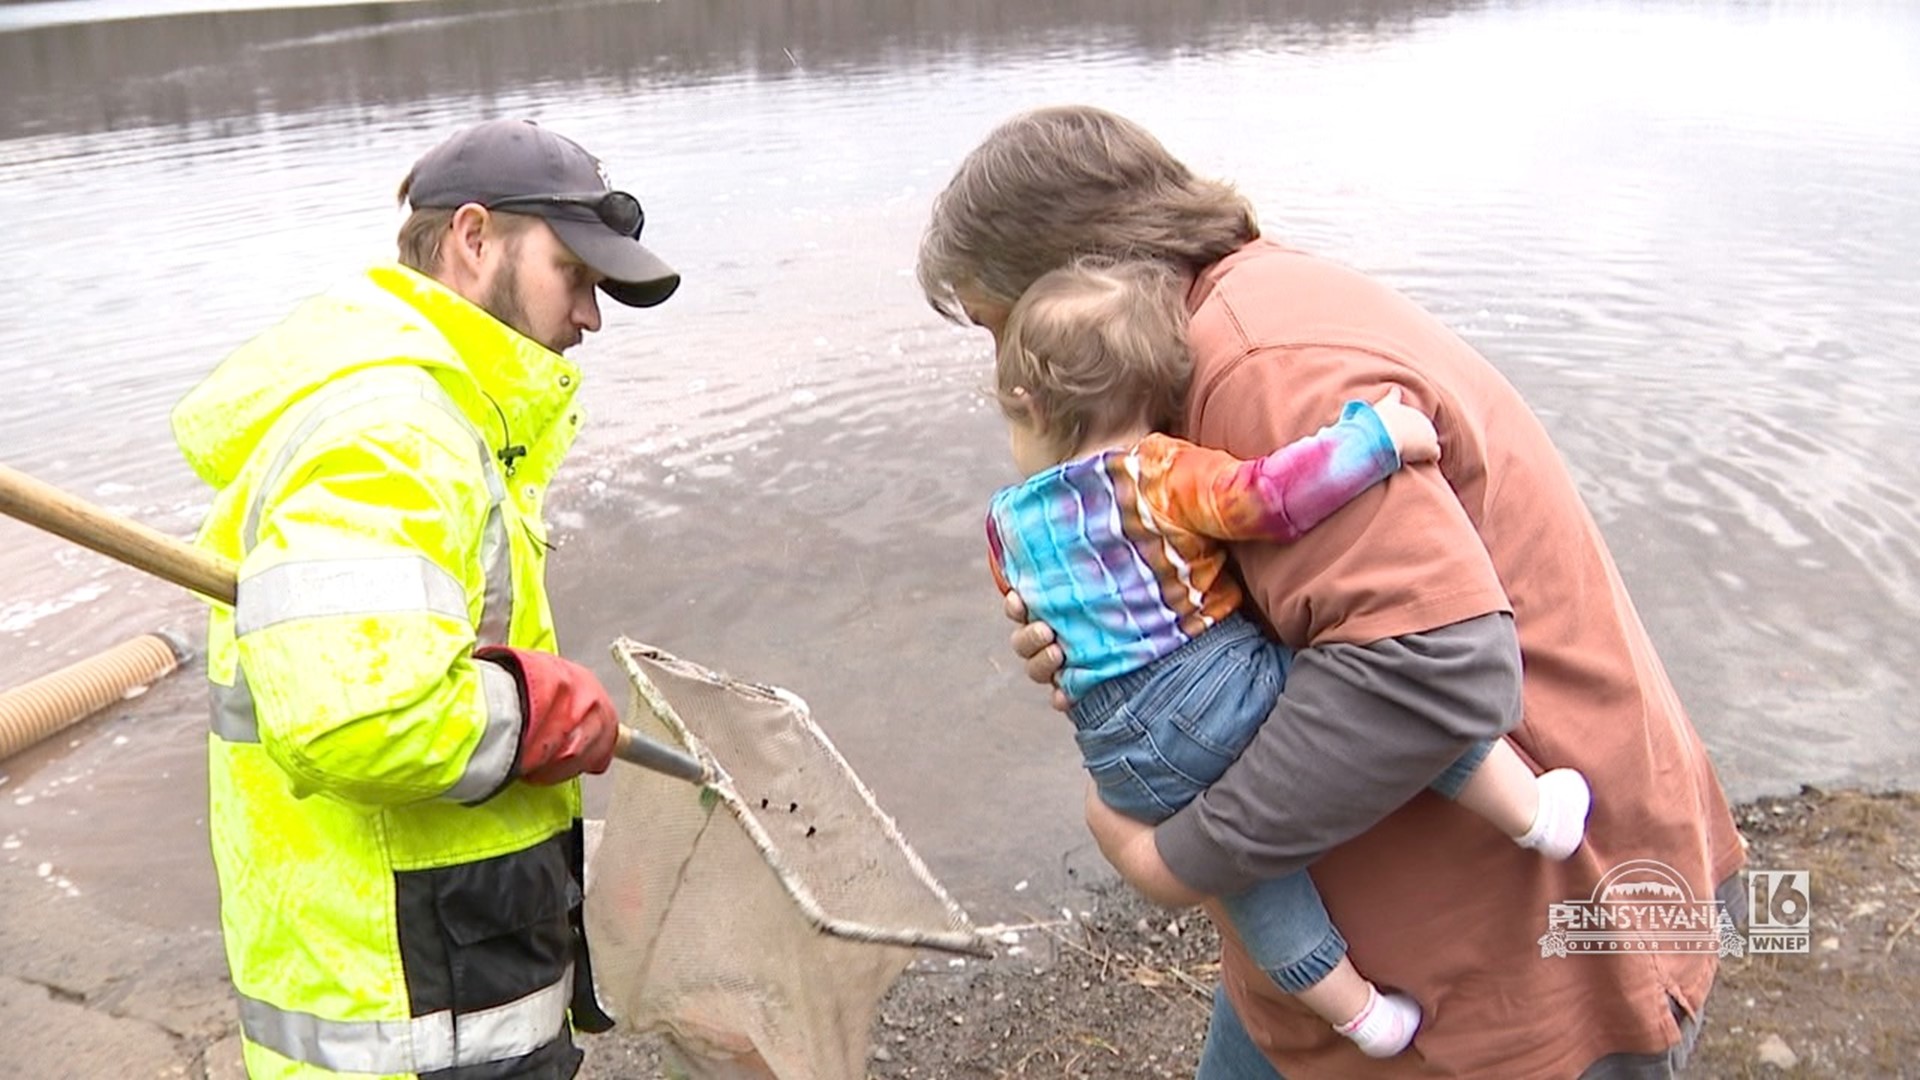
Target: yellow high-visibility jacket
{"points": [[393, 903]]}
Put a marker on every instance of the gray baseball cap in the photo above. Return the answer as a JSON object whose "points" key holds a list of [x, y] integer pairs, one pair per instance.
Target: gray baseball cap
{"points": [[525, 169]]}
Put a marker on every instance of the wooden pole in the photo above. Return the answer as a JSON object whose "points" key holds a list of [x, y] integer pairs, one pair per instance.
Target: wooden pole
{"points": [[47, 507]]}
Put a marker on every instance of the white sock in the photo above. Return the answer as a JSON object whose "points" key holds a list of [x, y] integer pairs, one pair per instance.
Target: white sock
{"points": [[1560, 822], [1384, 1025]]}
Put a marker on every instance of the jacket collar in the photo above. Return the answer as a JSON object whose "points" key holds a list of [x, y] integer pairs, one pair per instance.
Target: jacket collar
{"points": [[529, 387]]}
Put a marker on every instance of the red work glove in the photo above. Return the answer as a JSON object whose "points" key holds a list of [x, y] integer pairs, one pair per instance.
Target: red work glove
{"points": [[570, 723]]}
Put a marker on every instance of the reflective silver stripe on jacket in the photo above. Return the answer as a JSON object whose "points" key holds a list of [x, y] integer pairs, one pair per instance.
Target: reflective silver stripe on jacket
{"points": [[491, 764], [383, 586], [488, 767], [313, 590], [441, 1040], [496, 610], [233, 710]]}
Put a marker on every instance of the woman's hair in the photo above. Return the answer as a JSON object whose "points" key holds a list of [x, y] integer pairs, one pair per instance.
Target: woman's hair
{"points": [[1049, 186], [1095, 348]]}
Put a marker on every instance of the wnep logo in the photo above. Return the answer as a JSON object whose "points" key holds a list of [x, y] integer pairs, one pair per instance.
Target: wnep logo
{"points": [[1781, 915], [1644, 906]]}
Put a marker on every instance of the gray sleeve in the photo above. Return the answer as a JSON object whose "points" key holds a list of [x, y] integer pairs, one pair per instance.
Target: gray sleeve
{"points": [[1359, 730]]}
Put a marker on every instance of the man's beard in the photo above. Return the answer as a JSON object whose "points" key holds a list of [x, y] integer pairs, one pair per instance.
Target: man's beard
{"points": [[503, 300]]}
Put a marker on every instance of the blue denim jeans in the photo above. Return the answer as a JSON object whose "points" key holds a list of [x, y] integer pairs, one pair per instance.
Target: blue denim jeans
{"points": [[1229, 1053], [1155, 738]]}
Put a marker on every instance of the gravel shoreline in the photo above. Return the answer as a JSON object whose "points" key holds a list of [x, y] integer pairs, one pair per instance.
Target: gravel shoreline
{"points": [[1122, 988]]}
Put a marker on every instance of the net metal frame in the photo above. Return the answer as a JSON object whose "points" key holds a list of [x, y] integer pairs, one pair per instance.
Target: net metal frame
{"points": [[961, 942], [737, 941]]}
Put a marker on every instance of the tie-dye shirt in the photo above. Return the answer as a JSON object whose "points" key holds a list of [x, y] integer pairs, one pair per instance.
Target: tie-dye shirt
{"points": [[1120, 552]]}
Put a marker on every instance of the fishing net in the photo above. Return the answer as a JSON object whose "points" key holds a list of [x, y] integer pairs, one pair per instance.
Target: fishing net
{"points": [[755, 921]]}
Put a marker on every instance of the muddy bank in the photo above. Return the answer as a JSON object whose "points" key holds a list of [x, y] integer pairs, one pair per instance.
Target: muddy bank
{"points": [[90, 988], [1122, 989]]}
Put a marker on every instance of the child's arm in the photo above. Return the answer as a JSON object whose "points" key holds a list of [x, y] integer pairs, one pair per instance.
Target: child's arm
{"points": [[997, 557], [1281, 496]]}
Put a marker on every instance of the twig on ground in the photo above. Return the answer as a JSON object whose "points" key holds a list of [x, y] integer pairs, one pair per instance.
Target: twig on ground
{"points": [[1079, 948], [1204, 991], [1019, 1067], [1105, 958], [1900, 933], [1100, 1043], [1014, 928]]}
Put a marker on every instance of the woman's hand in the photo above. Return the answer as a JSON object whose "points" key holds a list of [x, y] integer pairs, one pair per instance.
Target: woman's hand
{"points": [[1128, 845], [1035, 645]]}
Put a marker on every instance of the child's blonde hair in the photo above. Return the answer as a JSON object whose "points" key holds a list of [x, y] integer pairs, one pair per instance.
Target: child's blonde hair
{"points": [[1094, 348]]}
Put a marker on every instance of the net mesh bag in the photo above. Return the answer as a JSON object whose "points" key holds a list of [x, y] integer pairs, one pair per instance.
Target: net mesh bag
{"points": [[754, 921]]}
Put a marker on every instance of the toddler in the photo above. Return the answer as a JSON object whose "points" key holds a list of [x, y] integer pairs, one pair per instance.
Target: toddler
{"points": [[1115, 540]]}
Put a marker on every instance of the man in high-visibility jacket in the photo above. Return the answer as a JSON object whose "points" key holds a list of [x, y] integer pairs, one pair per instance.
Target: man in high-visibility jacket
{"points": [[396, 741]]}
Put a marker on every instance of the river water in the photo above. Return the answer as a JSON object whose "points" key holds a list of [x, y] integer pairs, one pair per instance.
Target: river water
{"points": [[1687, 232]]}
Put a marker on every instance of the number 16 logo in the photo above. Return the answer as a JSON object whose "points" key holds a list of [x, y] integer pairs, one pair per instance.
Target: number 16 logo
{"points": [[1780, 911]]}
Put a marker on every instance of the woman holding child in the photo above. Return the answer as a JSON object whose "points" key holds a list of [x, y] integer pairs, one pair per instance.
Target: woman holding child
{"points": [[1416, 602]]}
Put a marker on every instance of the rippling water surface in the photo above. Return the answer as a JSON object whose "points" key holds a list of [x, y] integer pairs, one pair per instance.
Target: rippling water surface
{"points": [[1687, 235]]}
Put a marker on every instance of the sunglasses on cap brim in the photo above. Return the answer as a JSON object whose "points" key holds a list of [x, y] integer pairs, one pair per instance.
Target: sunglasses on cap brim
{"points": [[617, 210]]}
